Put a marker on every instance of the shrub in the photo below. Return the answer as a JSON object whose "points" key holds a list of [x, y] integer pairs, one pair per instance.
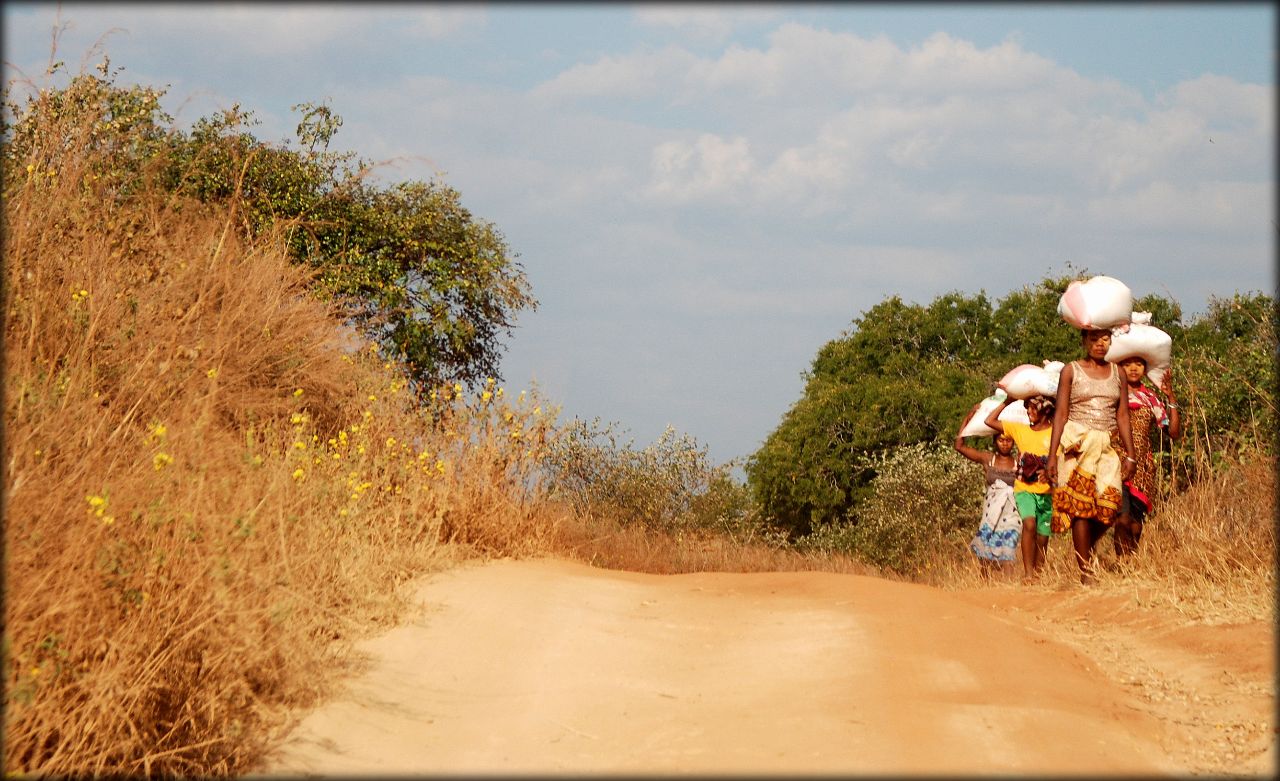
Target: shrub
{"points": [[925, 502], [669, 485]]}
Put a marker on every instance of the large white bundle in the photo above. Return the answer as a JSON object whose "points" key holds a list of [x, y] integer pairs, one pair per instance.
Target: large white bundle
{"points": [[1027, 380], [1015, 413], [1145, 341], [1100, 302], [975, 427]]}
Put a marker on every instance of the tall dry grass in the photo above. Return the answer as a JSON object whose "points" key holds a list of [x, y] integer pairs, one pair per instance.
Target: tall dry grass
{"points": [[610, 543], [209, 490]]}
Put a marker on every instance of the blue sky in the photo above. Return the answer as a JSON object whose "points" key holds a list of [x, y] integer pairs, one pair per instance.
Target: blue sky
{"points": [[704, 195]]}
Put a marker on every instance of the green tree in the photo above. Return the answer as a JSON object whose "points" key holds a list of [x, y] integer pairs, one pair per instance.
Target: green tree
{"points": [[436, 286], [1225, 368]]}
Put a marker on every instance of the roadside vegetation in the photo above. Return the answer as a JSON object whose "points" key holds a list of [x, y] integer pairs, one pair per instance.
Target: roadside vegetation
{"points": [[250, 395]]}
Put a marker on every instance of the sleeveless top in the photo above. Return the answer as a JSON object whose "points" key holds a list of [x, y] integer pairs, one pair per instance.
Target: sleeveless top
{"points": [[1093, 402], [994, 473]]}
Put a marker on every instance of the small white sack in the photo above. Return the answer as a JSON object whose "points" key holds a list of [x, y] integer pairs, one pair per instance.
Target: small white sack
{"points": [[975, 427], [1100, 302], [1145, 341], [1027, 380]]}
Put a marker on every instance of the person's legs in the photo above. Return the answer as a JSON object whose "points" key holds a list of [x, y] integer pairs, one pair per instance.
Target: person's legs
{"points": [[1044, 528], [1080, 541], [1028, 547], [1124, 537], [1085, 533], [1031, 508]]}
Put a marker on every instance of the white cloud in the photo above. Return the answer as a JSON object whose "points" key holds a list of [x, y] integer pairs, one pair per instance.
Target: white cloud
{"points": [[1221, 207], [710, 24], [644, 75], [711, 166]]}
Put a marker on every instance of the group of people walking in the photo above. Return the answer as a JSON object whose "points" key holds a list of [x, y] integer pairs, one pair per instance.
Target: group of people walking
{"points": [[1084, 463]]}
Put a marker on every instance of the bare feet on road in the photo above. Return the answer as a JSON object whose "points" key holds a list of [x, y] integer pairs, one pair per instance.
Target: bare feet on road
{"points": [[548, 666]]}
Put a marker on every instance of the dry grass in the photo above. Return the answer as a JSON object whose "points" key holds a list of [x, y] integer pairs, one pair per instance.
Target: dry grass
{"points": [[208, 491], [602, 542]]}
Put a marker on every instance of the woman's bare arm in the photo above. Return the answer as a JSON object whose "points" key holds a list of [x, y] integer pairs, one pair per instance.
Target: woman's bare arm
{"points": [[1060, 413]]}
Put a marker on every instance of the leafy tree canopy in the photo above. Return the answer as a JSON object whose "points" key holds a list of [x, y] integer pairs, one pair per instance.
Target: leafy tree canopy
{"points": [[412, 268]]}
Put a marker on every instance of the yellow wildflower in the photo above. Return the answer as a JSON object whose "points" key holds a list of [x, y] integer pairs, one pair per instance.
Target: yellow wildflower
{"points": [[486, 396], [297, 418], [391, 441], [300, 445], [157, 432], [161, 460], [298, 474], [297, 392], [212, 373]]}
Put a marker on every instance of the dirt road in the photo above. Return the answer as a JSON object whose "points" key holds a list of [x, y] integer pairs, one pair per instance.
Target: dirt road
{"points": [[549, 667]]}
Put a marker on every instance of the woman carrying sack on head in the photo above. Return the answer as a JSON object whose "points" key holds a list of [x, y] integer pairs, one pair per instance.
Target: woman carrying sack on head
{"points": [[996, 542], [1090, 448], [1146, 412]]}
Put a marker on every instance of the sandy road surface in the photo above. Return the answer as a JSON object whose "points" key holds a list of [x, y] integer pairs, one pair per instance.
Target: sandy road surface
{"points": [[548, 667]]}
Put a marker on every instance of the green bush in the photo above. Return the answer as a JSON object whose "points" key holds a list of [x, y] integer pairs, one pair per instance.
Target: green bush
{"points": [[670, 485], [1225, 376], [924, 499]]}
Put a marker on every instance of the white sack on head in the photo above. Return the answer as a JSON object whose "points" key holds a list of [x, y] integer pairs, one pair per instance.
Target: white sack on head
{"points": [[1100, 302], [1027, 380], [1015, 413], [975, 427], [1146, 342]]}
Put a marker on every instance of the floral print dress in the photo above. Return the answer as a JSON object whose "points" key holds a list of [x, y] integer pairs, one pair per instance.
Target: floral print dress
{"points": [[1000, 528]]}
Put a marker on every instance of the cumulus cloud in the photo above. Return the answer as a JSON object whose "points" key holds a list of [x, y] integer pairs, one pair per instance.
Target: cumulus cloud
{"points": [[710, 24], [710, 166]]}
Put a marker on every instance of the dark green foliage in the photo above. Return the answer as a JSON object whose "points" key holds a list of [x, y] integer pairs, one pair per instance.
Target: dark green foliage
{"points": [[923, 502], [1225, 375], [670, 485], [412, 268]]}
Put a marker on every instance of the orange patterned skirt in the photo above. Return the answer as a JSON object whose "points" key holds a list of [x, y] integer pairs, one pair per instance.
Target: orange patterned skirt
{"points": [[1088, 483]]}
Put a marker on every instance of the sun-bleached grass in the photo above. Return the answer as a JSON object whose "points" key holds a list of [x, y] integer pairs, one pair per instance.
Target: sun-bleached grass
{"points": [[210, 488], [605, 542]]}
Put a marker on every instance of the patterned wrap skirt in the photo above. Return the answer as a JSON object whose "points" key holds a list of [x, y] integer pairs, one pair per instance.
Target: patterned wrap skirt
{"points": [[1001, 528], [1088, 484]]}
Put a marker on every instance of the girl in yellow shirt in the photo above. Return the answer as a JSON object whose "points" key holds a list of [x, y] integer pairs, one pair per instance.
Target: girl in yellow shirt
{"points": [[1031, 491]]}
